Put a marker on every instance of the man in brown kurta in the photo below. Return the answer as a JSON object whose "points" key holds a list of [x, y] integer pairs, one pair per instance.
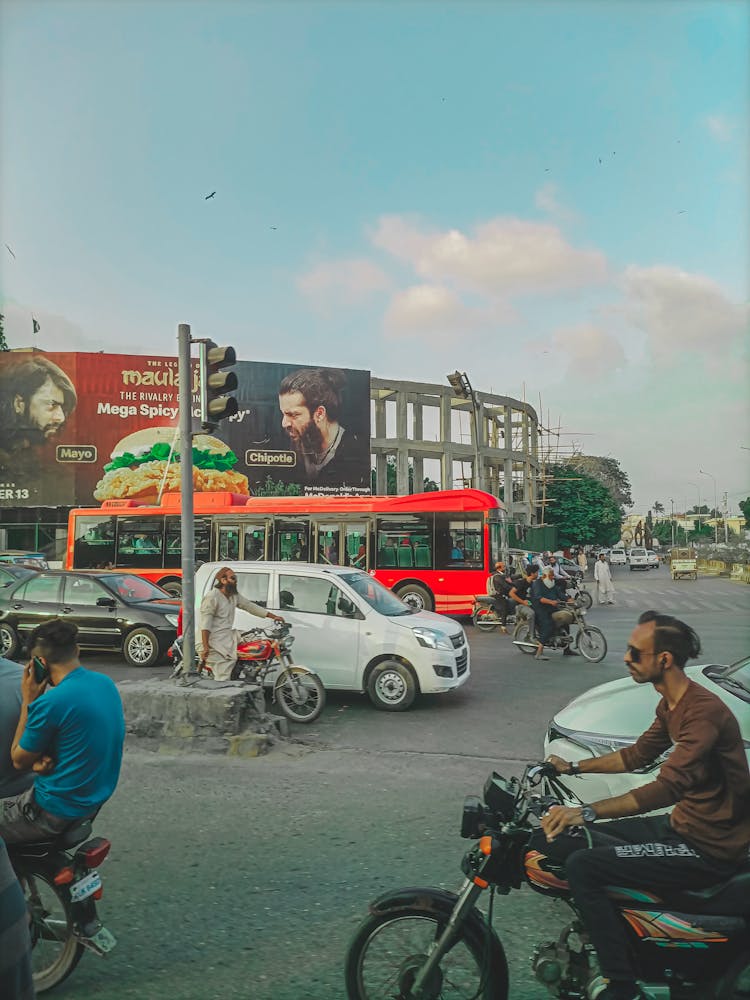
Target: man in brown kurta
{"points": [[705, 838]]}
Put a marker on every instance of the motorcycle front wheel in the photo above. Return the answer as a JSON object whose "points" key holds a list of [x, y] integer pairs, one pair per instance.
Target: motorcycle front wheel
{"points": [[300, 695], [389, 949], [591, 644], [55, 951], [486, 619], [585, 599]]}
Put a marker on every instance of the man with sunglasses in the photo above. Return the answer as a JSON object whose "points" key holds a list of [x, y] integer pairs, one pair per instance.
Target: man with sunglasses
{"points": [[704, 839]]}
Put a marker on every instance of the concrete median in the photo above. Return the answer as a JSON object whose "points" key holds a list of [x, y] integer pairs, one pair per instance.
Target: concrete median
{"points": [[202, 716]]}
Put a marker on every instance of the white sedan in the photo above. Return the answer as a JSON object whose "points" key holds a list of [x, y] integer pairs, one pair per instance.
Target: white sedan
{"points": [[653, 559], [612, 716]]}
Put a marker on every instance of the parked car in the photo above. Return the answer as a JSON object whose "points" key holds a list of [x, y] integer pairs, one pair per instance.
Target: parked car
{"points": [[638, 559], [351, 629], [571, 568], [618, 556], [653, 559], [9, 573], [113, 610], [20, 557], [612, 716]]}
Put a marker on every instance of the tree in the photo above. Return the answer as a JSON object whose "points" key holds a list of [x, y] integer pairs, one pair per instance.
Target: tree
{"points": [[744, 506], [701, 532], [606, 471], [428, 485], [658, 507], [3, 341], [583, 509]]}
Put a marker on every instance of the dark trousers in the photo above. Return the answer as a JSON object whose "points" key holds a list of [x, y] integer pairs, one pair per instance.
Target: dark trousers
{"points": [[503, 606], [636, 853]]}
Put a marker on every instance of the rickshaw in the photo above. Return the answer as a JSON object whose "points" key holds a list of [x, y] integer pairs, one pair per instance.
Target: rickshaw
{"points": [[683, 563]]}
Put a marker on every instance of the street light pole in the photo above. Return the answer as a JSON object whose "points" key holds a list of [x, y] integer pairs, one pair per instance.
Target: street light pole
{"points": [[698, 508], [459, 382], [716, 507], [672, 522]]}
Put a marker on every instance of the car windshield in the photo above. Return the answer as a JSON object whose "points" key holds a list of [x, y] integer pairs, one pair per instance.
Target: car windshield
{"points": [[376, 595], [132, 588]]}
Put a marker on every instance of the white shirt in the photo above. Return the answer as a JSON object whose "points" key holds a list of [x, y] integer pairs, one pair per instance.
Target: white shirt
{"points": [[217, 617]]}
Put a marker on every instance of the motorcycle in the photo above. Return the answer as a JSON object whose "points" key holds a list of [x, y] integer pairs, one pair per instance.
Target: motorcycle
{"points": [[264, 658], [588, 640], [429, 944], [485, 615], [576, 590], [61, 884]]}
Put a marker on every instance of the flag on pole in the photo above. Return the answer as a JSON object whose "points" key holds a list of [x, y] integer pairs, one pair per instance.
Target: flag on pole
{"points": [[35, 325]]}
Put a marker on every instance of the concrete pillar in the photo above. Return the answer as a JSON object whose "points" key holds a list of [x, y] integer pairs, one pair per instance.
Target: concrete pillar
{"points": [[402, 452], [381, 475], [446, 459], [418, 421], [380, 418], [418, 474]]}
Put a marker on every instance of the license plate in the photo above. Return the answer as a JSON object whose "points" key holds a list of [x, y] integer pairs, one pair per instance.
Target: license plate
{"points": [[85, 887], [102, 942]]}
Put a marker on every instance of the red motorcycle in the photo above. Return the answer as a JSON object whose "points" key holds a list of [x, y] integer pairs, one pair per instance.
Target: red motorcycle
{"points": [[264, 658]]}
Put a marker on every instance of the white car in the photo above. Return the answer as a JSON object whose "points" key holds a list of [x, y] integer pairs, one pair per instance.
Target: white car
{"points": [[618, 556], [351, 629], [612, 716], [653, 559], [638, 559]]}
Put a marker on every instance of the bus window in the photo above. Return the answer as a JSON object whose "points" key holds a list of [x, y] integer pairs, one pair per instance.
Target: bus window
{"points": [[355, 545], [173, 550], [140, 541], [255, 542], [496, 543], [94, 542], [228, 548], [292, 541], [458, 541], [405, 542], [328, 544]]}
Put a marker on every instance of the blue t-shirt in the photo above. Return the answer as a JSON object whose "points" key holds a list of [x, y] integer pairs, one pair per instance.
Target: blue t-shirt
{"points": [[80, 723]]}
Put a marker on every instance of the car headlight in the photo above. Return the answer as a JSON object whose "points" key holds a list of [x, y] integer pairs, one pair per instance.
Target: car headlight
{"points": [[431, 638], [172, 619]]}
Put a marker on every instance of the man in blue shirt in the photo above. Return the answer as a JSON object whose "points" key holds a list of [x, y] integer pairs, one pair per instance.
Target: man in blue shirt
{"points": [[70, 731], [12, 782]]}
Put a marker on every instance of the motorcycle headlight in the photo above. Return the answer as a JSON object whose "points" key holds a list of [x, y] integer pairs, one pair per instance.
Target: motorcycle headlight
{"points": [[431, 638], [172, 619]]}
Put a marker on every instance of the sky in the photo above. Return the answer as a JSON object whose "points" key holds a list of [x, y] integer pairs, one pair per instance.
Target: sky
{"points": [[552, 197]]}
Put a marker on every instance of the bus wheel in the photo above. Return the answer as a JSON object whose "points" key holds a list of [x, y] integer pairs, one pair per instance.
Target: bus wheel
{"points": [[415, 596], [173, 587]]}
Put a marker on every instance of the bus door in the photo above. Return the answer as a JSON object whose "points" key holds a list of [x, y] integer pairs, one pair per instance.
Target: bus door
{"points": [[355, 544], [227, 541], [255, 536], [292, 541], [328, 543]]}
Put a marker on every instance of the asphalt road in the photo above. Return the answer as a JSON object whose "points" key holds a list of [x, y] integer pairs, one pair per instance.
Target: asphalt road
{"points": [[246, 879]]}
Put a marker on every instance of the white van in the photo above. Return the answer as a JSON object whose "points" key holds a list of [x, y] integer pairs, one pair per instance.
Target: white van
{"points": [[618, 556], [351, 629]]}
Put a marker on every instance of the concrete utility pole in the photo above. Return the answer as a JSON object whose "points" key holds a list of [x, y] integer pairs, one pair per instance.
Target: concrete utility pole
{"points": [[187, 523], [716, 508]]}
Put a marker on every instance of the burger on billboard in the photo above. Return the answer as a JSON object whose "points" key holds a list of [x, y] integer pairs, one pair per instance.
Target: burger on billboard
{"points": [[78, 429]]}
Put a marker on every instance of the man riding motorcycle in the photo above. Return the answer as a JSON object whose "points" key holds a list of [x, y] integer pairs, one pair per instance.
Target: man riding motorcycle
{"points": [[705, 838], [549, 616], [501, 584]]}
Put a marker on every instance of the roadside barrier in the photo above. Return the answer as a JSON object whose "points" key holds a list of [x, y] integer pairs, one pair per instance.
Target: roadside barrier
{"points": [[740, 573]]}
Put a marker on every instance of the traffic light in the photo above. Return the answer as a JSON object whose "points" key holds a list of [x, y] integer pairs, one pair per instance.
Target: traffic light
{"points": [[216, 405]]}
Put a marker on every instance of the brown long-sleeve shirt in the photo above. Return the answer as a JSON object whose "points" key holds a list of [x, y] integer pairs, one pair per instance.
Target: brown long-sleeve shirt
{"points": [[705, 777]]}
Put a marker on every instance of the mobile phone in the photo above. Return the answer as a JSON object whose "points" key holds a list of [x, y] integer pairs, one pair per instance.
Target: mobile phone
{"points": [[40, 670]]}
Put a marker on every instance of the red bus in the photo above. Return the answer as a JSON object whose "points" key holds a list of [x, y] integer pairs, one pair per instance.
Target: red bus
{"points": [[435, 550]]}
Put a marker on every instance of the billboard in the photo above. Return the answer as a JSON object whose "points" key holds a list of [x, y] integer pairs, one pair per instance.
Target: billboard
{"points": [[77, 429]]}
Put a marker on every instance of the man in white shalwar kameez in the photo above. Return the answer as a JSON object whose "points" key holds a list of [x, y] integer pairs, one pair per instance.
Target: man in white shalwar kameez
{"points": [[603, 576], [217, 648]]}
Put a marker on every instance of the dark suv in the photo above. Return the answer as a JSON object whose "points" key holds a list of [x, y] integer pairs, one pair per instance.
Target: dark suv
{"points": [[113, 610]]}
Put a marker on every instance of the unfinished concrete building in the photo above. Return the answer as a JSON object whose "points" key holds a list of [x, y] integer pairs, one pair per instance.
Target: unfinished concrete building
{"points": [[429, 432]]}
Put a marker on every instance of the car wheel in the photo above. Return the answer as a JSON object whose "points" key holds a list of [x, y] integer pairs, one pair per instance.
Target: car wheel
{"points": [[141, 647], [415, 596], [391, 686], [8, 641]]}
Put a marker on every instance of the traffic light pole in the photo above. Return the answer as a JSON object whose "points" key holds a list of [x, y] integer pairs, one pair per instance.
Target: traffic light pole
{"points": [[187, 530]]}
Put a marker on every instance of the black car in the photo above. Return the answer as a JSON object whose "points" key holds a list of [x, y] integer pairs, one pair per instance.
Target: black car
{"points": [[10, 574], [113, 610]]}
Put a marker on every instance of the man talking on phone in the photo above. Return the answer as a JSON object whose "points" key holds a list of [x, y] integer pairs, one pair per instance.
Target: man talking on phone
{"points": [[70, 733]]}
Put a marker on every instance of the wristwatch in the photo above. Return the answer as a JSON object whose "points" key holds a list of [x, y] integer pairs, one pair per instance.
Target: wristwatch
{"points": [[588, 813], [574, 768]]}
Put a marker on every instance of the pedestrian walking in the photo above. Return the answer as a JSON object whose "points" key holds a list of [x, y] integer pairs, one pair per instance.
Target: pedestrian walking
{"points": [[583, 561], [605, 591]]}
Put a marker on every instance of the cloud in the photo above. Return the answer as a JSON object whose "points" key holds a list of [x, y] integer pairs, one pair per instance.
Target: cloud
{"points": [[591, 351], [343, 282], [56, 333], [721, 127], [681, 312], [430, 311], [546, 199], [501, 258]]}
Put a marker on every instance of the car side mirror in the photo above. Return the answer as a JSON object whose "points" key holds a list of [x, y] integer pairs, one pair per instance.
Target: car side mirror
{"points": [[106, 602]]}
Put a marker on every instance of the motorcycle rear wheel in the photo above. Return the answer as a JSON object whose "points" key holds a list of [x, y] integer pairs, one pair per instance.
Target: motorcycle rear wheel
{"points": [[55, 951], [486, 620], [300, 695], [584, 599], [591, 644], [522, 633], [383, 960]]}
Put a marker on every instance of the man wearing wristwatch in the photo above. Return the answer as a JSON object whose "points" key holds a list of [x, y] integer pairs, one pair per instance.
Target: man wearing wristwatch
{"points": [[705, 838]]}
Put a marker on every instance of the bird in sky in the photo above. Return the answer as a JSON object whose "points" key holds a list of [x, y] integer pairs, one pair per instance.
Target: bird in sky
{"points": [[600, 159], [209, 196], [273, 227], [10, 251], [682, 211]]}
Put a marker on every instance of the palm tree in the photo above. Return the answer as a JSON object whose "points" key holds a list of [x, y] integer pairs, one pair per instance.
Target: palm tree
{"points": [[658, 507]]}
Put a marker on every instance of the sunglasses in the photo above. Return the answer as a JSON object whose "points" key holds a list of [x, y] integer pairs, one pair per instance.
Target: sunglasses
{"points": [[636, 654]]}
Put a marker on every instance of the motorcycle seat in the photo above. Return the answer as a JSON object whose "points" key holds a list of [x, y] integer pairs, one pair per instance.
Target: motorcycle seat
{"points": [[730, 898], [71, 837]]}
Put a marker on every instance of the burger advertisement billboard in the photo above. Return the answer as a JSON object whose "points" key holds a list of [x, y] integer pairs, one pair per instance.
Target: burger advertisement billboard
{"points": [[77, 429]]}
